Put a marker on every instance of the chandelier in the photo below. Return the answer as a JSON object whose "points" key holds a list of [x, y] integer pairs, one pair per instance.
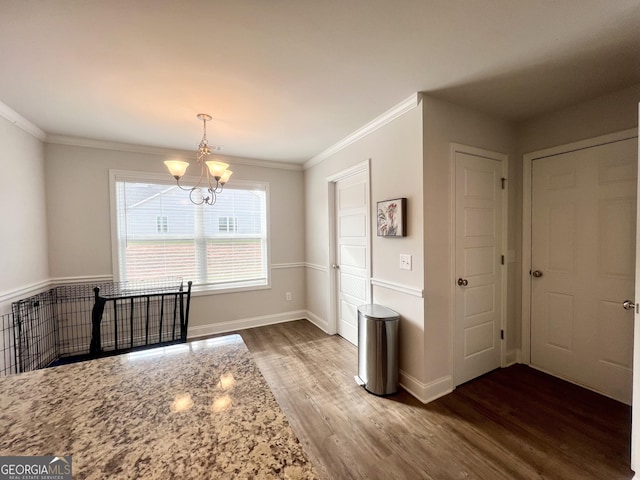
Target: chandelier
{"points": [[210, 170]]}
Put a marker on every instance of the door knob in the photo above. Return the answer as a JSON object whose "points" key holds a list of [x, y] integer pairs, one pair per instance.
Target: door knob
{"points": [[335, 267], [536, 273], [463, 282], [628, 305]]}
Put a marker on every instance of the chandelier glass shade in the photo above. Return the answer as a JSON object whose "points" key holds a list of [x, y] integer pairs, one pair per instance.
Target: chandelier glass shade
{"points": [[213, 173]]}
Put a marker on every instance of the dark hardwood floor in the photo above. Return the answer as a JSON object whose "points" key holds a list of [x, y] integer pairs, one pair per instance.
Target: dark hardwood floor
{"points": [[513, 423]]}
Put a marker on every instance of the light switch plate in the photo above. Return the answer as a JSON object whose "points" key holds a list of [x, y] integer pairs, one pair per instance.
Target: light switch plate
{"points": [[405, 262]]}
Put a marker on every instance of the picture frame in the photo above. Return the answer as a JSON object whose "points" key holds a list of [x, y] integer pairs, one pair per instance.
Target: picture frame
{"points": [[391, 218]]}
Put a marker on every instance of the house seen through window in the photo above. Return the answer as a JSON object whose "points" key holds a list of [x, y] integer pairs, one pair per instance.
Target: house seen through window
{"points": [[217, 247]]}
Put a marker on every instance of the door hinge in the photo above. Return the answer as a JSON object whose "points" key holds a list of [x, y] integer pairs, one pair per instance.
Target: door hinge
{"points": [[501, 259], [502, 182], [501, 334]]}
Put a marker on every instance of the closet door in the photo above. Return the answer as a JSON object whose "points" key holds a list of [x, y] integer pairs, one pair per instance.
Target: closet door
{"points": [[583, 266]]}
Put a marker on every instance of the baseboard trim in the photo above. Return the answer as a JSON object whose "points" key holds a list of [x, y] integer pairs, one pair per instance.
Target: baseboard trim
{"points": [[321, 323], [426, 392], [200, 331], [511, 358]]}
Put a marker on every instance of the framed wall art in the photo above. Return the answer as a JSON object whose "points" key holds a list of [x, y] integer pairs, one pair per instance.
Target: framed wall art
{"points": [[392, 218]]}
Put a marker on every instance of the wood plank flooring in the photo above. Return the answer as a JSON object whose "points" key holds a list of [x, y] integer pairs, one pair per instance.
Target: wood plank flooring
{"points": [[514, 423]]}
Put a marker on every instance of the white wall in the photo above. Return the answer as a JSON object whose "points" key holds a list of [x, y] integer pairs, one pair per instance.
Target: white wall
{"points": [[23, 238], [446, 123], [78, 209], [395, 153]]}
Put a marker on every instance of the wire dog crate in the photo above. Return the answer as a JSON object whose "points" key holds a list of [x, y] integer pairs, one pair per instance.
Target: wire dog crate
{"points": [[83, 321], [8, 359]]}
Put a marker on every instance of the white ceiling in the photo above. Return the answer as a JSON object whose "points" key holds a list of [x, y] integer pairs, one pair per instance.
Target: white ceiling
{"points": [[287, 79]]}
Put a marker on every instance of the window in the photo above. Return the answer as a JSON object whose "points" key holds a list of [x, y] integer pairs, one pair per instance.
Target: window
{"points": [[227, 224], [162, 224], [223, 246]]}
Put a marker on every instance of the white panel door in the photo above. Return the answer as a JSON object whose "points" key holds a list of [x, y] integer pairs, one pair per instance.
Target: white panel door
{"points": [[352, 252], [583, 266], [635, 420], [478, 303]]}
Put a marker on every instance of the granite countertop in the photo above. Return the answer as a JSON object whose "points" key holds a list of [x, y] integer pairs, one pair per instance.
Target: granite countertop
{"points": [[191, 411]]}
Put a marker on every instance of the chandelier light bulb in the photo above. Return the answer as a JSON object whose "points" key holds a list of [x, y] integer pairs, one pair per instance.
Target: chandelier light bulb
{"points": [[217, 168], [225, 177], [176, 168]]}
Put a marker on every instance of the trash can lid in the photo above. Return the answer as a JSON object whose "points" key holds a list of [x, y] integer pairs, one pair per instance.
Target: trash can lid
{"points": [[378, 312]]}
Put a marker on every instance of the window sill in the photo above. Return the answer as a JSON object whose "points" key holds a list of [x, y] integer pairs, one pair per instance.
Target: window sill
{"points": [[206, 290]]}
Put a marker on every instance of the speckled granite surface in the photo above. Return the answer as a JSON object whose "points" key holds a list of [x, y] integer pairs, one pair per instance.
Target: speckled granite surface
{"points": [[193, 411]]}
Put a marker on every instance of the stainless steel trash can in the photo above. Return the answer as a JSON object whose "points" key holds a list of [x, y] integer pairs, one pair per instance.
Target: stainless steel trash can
{"points": [[378, 349]]}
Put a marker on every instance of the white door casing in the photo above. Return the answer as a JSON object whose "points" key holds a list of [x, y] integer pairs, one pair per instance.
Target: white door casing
{"points": [[351, 259], [635, 407], [479, 271], [583, 260]]}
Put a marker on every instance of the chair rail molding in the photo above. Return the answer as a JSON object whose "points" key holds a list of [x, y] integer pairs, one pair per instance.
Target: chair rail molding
{"points": [[397, 287]]}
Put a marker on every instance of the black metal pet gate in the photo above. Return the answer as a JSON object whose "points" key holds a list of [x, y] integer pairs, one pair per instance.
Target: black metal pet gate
{"points": [[83, 321]]}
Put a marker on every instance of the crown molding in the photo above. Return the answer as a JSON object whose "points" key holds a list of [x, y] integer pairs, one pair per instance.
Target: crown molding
{"points": [[400, 109], [115, 146], [21, 122], [264, 163], [160, 151]]}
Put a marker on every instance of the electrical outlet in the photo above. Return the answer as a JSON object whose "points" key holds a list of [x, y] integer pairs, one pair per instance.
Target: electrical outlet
{"points": [[405, 262], [287, 296]]}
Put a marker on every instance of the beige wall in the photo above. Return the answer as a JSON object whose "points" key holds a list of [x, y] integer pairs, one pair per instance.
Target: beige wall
{"points": [[78, 209], [23, 238], [610, 113], [395, 153], [444, 124]]}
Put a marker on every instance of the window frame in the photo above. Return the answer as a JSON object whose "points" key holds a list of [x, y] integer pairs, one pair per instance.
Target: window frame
{"points": [[165, 179]]}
